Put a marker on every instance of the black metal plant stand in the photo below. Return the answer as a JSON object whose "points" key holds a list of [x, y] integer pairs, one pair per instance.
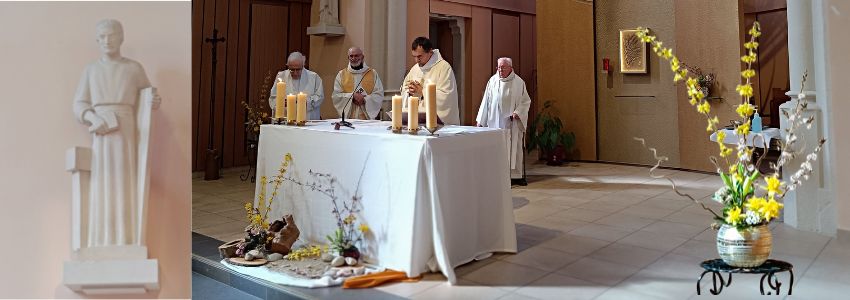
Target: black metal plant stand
{"points": [[768, 270], [252, 142]]}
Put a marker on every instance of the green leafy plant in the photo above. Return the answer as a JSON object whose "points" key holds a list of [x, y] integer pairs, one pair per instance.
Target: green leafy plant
{"points": [[545, 133]]}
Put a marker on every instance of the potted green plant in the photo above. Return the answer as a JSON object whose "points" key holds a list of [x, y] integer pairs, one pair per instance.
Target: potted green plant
{"points": [[545, 133]]}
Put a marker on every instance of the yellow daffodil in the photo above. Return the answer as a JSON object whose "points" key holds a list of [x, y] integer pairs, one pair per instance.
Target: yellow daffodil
{"points": [[770, 209], [773, 185], [725, 151], [704, 108], [363, 228], [755, 203], [734, 216]]}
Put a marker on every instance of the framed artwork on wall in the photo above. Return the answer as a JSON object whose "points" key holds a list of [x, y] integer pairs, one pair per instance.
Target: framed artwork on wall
{"points": [[632, 53]]}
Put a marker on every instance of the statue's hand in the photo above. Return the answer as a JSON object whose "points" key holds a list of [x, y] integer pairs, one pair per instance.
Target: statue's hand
{"points": [[98, 125]]}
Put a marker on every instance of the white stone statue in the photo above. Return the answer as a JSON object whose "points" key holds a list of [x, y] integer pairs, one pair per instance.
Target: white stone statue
{"points": [[328, 20], [329, 12], [114, 100]]}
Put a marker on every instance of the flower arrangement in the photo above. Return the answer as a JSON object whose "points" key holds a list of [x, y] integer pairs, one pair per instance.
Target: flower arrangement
{"points": [[704, 80], [257, 231], [258, 114], [749, 198]]}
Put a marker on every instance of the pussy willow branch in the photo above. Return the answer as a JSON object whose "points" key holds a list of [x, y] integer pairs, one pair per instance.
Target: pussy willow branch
{"points": [[659, 160]]}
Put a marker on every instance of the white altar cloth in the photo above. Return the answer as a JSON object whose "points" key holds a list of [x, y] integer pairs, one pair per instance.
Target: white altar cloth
{"points": [[761, 139], [426, 199]]}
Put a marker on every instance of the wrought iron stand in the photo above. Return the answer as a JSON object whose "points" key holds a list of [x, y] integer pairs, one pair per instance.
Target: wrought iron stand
{"points": [[768, 270]]}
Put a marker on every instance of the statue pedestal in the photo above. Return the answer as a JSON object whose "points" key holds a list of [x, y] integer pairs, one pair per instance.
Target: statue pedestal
{"points": [[115, 275], [328, 30]]}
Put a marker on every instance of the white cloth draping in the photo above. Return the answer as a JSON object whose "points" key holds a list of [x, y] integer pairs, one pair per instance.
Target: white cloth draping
{"points": [[444, 198]]}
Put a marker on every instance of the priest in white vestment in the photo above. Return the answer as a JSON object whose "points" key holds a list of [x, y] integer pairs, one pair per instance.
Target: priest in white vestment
{"points": [[358, 90], [106, 100], [505, 105], [430, 67], [300, 80]]}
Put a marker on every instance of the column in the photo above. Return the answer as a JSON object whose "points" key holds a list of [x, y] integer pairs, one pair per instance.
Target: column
{"points": [[808, 207]]}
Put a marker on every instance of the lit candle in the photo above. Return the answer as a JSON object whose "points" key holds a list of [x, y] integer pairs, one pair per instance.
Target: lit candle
{"points": [[413, 113], [290, 108], [301, 115], [396, 112], [431, 105], [278, 100]]}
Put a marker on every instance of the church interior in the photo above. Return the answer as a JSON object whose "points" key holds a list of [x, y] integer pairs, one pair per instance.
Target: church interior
{"points": [[590, 223], [425, 149]]}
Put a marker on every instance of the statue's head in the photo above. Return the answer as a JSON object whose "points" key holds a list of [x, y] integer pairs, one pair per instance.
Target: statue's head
{"points": [[110, 35]]}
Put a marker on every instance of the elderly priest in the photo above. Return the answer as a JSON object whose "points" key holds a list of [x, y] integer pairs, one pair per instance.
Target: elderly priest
{"points": [[300, 80], [359, 85], [505, 105]]}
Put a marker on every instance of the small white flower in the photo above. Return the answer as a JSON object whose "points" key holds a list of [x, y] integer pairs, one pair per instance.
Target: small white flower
{"points": [[801, 96], [753, 217]]}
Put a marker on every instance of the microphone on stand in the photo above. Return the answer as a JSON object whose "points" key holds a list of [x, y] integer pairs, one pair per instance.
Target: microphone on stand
{"points": [[343, 122]]}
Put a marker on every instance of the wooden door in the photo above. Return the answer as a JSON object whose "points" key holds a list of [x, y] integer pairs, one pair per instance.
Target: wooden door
{"points": [[772, 77], [259, 35]]}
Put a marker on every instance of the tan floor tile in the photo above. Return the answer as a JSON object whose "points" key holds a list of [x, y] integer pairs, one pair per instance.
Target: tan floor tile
{"points": [[505, 275], [561, 225], [581, 214], [624, 221], [542, 258], [598, 271], [222, 231], [653, 240], [575, 244], [699, 219], [408, 289], [627, 255], [600, 232], [653, 213], [698, 249], [556, 286], [463, 290], [676, 229], [207, 220]]}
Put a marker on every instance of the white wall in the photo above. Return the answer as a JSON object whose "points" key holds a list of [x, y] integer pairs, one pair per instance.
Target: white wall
{"points": [[43, 49], [837, 20]]}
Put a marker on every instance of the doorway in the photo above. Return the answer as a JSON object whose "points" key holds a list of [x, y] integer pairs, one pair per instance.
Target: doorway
{"points": [[447, 33]]}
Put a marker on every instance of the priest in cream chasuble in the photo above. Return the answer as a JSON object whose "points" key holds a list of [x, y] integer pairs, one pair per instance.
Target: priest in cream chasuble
{"points": [[431, 67]]}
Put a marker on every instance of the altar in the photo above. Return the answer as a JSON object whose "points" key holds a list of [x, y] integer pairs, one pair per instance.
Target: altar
{"points": [[429, 201]]}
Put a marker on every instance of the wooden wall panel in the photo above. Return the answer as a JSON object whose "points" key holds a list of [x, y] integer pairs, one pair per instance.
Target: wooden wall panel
{"points": [[506, 42], [280, 29], [526, 68], [481, 34]]}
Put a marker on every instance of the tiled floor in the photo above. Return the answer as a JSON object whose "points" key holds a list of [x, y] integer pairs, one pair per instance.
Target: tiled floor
{"points": [[588, 231]]}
